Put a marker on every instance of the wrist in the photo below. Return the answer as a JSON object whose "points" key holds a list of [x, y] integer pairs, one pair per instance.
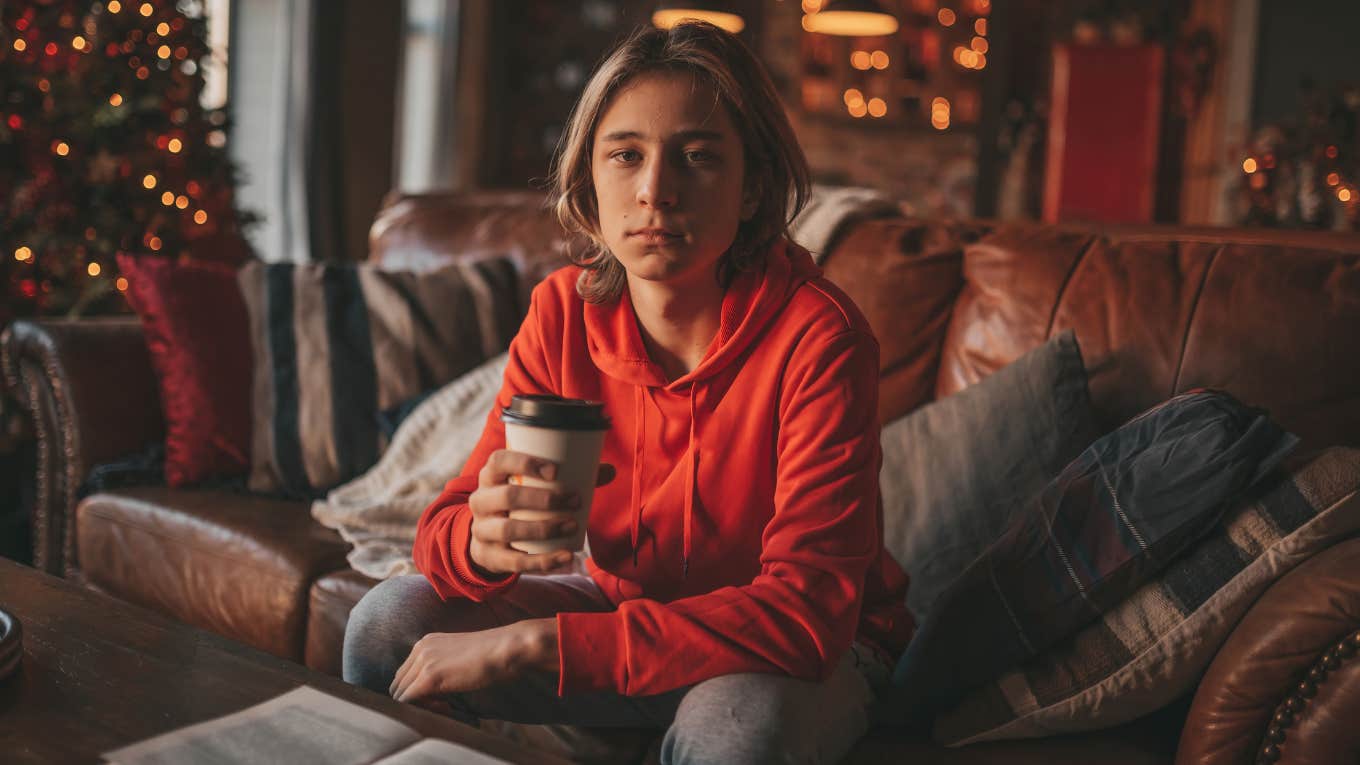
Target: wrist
{"points": [[537, 644]]}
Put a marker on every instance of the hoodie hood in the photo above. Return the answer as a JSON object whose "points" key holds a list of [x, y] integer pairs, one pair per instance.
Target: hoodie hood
{"points": [[755, 297]]}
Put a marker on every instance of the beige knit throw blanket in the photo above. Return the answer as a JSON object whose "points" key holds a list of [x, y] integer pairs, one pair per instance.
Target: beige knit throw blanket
{"points": [[377, 512]]}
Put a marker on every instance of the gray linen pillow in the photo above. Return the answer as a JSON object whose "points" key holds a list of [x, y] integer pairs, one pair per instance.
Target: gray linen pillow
{"points": [[954, 470]]}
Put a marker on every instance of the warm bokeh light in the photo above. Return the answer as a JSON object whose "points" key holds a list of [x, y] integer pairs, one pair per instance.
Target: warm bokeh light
{"points": [[116, 100], [879, 59], [1258, 181], [163, 51], [146, 9], [168, 198], [20, 45], [92, 269], [78, 42], [45, 85], [939, 112], [23, 254], [946, 17], [181, 201], [1333, 179], [850, 23], [1331, 152], [1344, 195], [853, 96], [812, 6], [143, 73], [979, 44], [175, 145], [114, 6], [858, 109], [980, 26], [200, 217], [61, 148], [154, 243], [877, 107], [149, 181], [122, 284], [983, 7], [1249, 165], [163, 29], [665, 19], [860, 59]]}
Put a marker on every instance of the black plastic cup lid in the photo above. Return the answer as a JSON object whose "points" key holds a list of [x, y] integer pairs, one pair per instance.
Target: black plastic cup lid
{"points": [[544, 411]]}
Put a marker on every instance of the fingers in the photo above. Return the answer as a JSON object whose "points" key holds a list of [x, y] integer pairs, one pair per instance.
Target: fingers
{"points": [[501, 558], [504, 463], [499, 499], [507, 530]]}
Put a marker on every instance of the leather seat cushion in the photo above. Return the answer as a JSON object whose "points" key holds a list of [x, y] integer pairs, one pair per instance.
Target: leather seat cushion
{"points": [[332, 597], [236, 564]]}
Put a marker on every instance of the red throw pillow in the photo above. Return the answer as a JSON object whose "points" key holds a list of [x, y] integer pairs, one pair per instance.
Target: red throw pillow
{"points": [[198, 333]]}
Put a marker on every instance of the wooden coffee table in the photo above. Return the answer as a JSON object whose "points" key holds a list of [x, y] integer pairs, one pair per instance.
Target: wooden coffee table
{"points": [[98, 674]]}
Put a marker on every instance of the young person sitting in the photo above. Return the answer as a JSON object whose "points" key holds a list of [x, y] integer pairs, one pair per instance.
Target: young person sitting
{"points": [[739, 596]]}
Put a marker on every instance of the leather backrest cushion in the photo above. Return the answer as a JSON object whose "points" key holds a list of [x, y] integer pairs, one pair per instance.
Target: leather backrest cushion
{"points": [[904, 276], [1160, 313]]}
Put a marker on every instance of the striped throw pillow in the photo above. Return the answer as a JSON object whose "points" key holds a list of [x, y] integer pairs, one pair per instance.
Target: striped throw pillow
{"points": [[334, 345], [1154, 646]]}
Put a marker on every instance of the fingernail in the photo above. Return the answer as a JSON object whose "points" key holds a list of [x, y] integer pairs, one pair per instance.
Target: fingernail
{"points": [[547, 470]]}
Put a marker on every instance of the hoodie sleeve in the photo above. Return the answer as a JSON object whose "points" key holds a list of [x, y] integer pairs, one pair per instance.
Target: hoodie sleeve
{"points": [[800, 613], [444, 530]]}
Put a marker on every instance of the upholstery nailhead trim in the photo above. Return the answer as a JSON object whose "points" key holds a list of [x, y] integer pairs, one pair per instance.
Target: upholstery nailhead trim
{"points": [[1286, 714]]}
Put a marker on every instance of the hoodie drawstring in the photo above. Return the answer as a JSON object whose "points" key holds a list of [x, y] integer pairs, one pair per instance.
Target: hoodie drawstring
{"points": [[691, 473], [691, 478], [636, 499]]}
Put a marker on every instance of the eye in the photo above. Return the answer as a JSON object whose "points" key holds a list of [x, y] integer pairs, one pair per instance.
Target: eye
{"points": [[624, 155], [699, 156]]}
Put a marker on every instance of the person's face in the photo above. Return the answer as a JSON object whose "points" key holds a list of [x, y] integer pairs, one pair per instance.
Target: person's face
{"points": [[667, 166]]}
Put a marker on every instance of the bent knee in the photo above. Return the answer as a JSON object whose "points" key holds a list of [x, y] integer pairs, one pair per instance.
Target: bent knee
{"points": [[383, 626]]}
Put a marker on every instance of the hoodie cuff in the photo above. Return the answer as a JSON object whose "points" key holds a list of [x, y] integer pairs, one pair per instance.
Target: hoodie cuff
{"points": [[477, 587], [590, 653]]}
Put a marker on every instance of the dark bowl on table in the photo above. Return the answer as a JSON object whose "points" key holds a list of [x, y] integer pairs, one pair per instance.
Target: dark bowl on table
{"points": [[11, 644]]}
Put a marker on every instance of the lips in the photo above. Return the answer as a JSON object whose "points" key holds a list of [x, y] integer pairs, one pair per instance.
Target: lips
{"points": [[655, 235]]}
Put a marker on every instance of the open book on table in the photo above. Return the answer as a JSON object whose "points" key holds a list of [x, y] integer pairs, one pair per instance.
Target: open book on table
{"points": [[301, 726]]}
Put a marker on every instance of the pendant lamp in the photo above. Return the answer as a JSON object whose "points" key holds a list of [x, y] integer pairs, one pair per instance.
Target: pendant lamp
{"points": [[852, 18], [668, 14]]}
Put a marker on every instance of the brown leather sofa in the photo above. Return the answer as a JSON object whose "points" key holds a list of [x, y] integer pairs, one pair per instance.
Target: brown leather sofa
{"points": [[1270, 316]]}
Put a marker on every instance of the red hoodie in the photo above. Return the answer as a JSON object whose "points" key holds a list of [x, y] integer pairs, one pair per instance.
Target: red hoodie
{"points": [[744, 533]]}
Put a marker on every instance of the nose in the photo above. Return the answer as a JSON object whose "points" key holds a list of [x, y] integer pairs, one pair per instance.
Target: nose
{"points": [[657, 185]]}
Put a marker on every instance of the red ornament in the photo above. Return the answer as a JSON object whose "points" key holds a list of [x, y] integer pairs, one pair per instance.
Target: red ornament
{"points": [[28, 288], [51, 49], [15, 122], [21, 24]]}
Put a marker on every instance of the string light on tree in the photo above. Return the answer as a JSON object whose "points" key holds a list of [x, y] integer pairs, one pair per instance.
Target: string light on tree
{"points": [[108, 148]]}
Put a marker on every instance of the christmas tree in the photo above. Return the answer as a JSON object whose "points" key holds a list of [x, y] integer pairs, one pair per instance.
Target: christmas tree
{"points": [[106, 148]]}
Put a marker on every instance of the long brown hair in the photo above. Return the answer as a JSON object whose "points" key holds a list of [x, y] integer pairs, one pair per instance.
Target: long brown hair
{"points": [[775, 172]]}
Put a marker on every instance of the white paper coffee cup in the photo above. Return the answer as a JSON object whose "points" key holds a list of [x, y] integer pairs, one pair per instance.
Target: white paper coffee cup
{"points": [[569, 432]]}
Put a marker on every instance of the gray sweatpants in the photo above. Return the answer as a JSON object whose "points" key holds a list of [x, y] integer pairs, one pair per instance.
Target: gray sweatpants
{"points": [[743, 718]]}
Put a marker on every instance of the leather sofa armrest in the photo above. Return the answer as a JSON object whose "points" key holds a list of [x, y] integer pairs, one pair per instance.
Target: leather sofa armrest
{"points": [[92, 394], [1285, 687]]}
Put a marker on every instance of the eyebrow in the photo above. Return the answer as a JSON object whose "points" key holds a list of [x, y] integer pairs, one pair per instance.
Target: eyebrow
{"points": [[684, 135]]}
